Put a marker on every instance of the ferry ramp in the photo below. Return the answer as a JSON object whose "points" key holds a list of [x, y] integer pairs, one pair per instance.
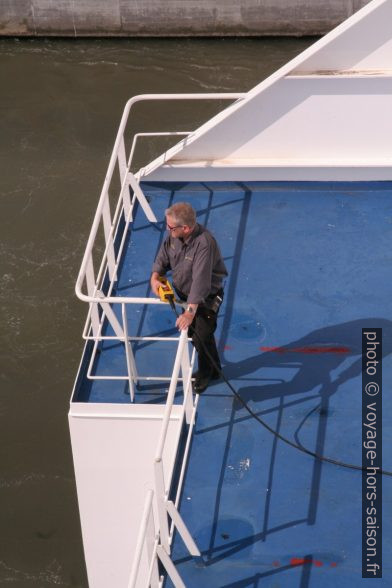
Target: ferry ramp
{"points": [[309, 268]]}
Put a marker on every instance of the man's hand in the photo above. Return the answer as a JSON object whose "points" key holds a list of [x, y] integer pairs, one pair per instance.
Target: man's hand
{"points": [[184, 320], [155, 283]]}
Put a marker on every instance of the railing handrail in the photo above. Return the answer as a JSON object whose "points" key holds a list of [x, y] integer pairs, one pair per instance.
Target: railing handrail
{"points": [[170, 395], [109, 174], [154, 533], [95, 296], [141, 537]]}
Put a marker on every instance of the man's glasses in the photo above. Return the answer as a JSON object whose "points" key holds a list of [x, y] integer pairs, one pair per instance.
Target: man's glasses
{"points": [[172, 228]]}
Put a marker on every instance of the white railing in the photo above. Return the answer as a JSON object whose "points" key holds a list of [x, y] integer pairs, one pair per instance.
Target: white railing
{"points": [[125, 204], [155, 536], [98, 293]]}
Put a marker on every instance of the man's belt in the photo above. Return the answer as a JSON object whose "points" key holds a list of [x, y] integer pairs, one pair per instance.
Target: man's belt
{"points": [[212, 302], [210, 297]]}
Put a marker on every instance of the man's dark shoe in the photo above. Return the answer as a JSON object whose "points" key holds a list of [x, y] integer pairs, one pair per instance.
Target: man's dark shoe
{"points": [[201, 384], [214, 376]]}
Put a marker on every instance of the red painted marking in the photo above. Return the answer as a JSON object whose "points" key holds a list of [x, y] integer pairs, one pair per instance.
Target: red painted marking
{"points": [[333, 564], [274, 349], [299, 561], [321, 350], [227, 347], [307, 350]]}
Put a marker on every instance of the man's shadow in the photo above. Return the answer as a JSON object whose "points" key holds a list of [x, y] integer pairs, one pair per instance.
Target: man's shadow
{"points": [[315, 357]]}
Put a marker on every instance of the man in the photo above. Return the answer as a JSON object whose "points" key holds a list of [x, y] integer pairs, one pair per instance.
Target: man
{"points": [[193, 255]]}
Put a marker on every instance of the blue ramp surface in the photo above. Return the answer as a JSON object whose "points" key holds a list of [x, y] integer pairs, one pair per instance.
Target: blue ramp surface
{"points": [[309, 267]]}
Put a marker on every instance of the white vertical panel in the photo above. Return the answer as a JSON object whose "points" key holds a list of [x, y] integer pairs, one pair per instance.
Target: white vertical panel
{"points": [[113, 458]]}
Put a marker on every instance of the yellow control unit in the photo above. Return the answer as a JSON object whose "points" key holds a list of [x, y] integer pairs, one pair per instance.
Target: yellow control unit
{"points": [[165, 291]]}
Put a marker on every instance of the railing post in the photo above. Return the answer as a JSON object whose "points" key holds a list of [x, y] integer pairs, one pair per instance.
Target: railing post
{"points": [[90, 281], [160, 496], [182, 529], [122, 159], [141, 198], [144, 533], [170, 568], [107, 227], [187, 386], [126, 199], [113, 320], [131, 364], [123, 168], [151, 537]]}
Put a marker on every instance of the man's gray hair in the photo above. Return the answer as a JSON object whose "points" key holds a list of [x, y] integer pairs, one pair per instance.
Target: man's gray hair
{"points": [[182, 213]]}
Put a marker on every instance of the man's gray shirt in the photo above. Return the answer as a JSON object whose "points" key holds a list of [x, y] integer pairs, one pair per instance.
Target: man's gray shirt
{"points": [[197, 264]]}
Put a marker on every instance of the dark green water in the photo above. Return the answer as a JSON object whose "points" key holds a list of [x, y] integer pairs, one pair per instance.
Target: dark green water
{"points": [[61, 103]]}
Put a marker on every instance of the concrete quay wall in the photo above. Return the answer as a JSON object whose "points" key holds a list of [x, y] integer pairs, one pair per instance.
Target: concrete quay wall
{"points": [[136, 18]]}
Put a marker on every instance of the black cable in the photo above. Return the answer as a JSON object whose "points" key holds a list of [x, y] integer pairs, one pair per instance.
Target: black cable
{"points": [[264, 424], [297, 430], [172, 304], [295, 445]]}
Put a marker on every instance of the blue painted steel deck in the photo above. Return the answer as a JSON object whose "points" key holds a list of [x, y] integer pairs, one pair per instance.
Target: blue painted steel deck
{"points": [[309, 266]]}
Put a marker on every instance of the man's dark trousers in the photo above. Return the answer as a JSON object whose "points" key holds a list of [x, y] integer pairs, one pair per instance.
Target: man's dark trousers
{"points": [[202, 331]]}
